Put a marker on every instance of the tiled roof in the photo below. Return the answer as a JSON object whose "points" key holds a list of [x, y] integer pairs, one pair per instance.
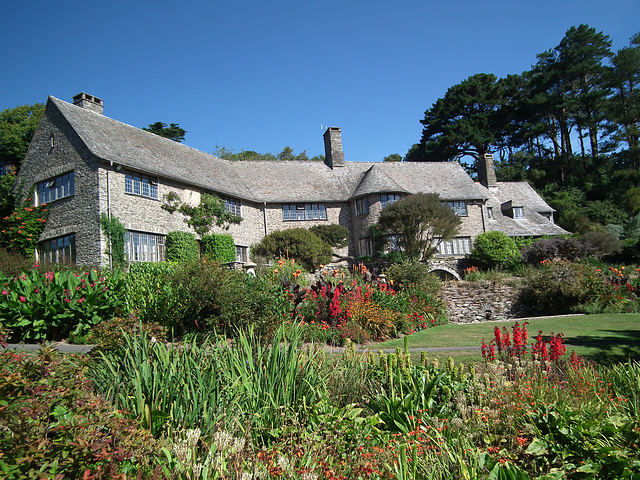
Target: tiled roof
{"points": [[261, 181]]}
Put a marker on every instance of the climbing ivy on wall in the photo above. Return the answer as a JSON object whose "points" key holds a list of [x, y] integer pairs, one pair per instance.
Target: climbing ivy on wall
{"points": [[115, 232]]}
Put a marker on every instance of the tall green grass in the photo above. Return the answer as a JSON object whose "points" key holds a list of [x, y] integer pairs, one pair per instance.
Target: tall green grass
{"points": [[242, 386]]}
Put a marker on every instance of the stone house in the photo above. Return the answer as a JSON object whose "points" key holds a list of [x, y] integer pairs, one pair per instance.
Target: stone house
{"points": [[82, 164]]}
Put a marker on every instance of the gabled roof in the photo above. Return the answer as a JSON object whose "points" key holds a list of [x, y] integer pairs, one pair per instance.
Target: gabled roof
{"points": [[375, 180], [261, 181], [520, 194]]}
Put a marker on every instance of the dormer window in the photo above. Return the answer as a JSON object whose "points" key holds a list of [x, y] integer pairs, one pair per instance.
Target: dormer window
{"points": [[518, 212], [510, 210]]}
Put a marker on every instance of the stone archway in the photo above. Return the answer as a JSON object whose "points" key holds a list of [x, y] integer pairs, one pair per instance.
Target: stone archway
{"points": [[445, 273]]}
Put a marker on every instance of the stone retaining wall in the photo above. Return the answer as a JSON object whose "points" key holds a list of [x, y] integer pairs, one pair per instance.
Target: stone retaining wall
{"points": [[471, 302]]}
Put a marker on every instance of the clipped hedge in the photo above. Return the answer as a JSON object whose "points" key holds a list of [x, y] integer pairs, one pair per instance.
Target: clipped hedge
{"points": [[219, 247], [181, 247]]}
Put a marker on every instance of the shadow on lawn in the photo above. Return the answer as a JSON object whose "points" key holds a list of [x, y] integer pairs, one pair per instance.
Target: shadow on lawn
{"points": [[623, 346]]}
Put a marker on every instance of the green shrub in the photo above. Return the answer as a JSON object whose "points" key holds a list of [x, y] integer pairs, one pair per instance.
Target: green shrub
{"points": [[20, 230], [555, 248], [560, 286], [334, 235], [181, 247], [220, 247], [149, 292], [604, 243], [115, 232], [495, 250], [414, 273], [13, 263], [108, 335], [299, 243], [57, 305], [210, 297]]}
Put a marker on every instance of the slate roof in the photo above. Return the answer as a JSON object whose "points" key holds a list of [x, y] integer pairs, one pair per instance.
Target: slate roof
{"points": [[521, 194], [261, 181]]}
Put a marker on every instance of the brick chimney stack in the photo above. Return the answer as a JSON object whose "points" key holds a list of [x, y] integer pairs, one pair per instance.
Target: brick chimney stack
{"points": [[84, 100], [486, 171], [333, 147]]}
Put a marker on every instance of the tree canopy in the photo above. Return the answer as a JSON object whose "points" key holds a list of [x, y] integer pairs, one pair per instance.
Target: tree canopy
{"points": [[17, 126], [570, 123], [418, 223], [287, 153], [171, 131]]}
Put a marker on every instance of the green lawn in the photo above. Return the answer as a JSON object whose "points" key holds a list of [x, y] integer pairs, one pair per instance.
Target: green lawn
{"points": [[604, 339]]}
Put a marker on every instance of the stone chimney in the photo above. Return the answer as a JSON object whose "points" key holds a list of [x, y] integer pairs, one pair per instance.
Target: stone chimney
{"points": [[486, 171], [333, 147], [84, 100]]}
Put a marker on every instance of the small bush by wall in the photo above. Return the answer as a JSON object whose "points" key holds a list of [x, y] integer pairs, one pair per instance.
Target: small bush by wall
{"points": [[181, 247], [219, 247], [495, 250], [299, 243]]}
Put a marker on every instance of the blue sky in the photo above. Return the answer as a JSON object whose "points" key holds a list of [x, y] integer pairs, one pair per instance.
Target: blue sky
{"points": [[262, 75]]}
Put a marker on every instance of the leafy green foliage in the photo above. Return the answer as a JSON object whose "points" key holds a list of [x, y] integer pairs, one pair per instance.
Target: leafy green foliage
{"points": [[603, 243], [219, 247], [334, 235], [209, 213], [299, 243], [57, 305], [7, 200], [250, 155], [13, 264], [21, 230], [495, 249], [555, 248], [115, 232], [171, 131], [181, 247], [418, 222], [560, 286], [414, 273], [17, 126], [149, 292]]}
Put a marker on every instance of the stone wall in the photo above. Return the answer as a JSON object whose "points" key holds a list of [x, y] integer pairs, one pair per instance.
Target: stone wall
{"points": [[471, 302]]}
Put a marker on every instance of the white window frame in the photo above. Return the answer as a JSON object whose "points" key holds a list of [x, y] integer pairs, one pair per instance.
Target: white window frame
{"points": [[141, 185], [144, 247], [53, 189], [242, 253], [297, 212], [362, 206], [232, 206], [455, 246], [518, 212], [58, 250], [458, 206]]}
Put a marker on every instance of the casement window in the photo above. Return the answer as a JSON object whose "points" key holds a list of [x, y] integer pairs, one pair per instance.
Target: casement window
{"points": [[458, 206], [388, 198], [144, 247], [303, 211], [489, 213], [55, 188], [58, 250], [232, 206], [242, 254], [362, 206], [142, 185], [455, 246], [518, 212], [365, 246]]}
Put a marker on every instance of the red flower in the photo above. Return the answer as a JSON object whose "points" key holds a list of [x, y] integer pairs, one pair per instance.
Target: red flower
{"points": [[22, 299]]}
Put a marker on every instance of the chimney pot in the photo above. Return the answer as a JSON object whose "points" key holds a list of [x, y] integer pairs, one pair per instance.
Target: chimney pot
{"points": [[84, 100]]}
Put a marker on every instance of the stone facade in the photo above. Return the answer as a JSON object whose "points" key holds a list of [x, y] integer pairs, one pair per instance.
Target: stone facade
{"points": [[470, 302], [101, 152]]}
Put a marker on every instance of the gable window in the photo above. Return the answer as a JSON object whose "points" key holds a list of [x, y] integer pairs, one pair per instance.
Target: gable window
{"points": [[518, 212], [455, 246], [458, 206], [388, 198], [232, 206], [362, 206], [303, 211], [58, 250], [144, 247], [55, 188], [142, 185]]}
